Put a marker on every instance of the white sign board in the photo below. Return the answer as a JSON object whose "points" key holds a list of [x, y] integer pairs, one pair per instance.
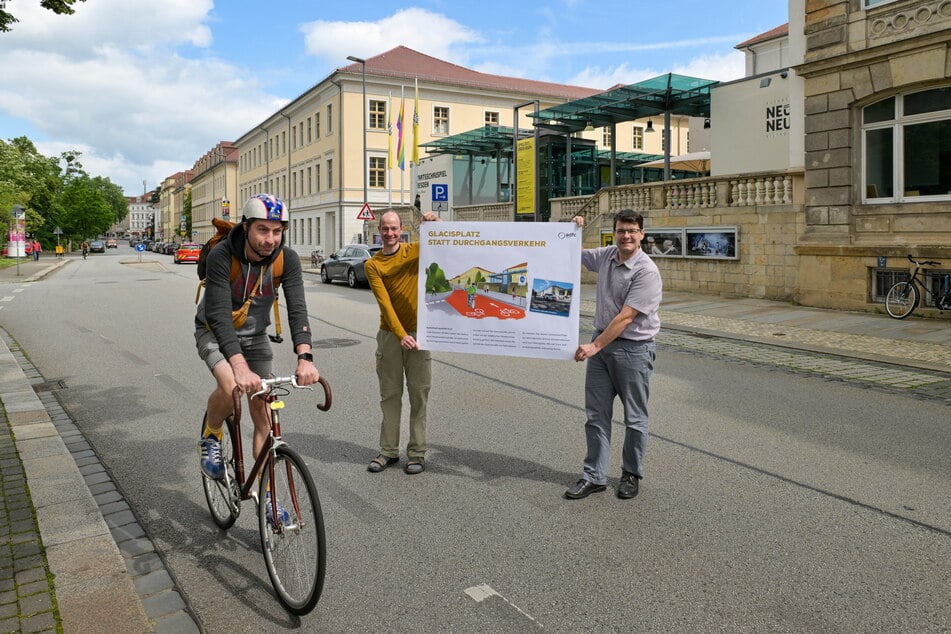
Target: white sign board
{"points": [[505, 288]]}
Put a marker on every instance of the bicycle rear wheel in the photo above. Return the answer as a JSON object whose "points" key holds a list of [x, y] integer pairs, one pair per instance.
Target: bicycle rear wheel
{"points": [[223, 495], [902, 300], [294, 550]]}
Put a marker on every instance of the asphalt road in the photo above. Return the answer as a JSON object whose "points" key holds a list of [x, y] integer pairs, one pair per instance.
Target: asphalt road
{"points": [[773, 501]]}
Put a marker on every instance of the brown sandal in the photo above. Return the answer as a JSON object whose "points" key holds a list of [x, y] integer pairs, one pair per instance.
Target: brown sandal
{"points": [[415, 465], [380, 463]]}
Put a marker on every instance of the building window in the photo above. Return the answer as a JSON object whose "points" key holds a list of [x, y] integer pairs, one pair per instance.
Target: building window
{"points": [[377, 175], [316, 125], [318, 231], [491, 118], [606, 136], [377, 116], [440, 120], [884, 279], [330, 173], [310, 183], [330, 118], [875, 3], [906, 147], [317, 176], [637, 140], [309, 138]]}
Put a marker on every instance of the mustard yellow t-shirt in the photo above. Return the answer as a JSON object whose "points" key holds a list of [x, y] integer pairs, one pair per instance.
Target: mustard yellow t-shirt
{"points": [[394, 280]]}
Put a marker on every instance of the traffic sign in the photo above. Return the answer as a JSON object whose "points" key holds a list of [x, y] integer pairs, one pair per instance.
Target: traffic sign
{"points": [[366, 213], [440, 192], [140, 247]]}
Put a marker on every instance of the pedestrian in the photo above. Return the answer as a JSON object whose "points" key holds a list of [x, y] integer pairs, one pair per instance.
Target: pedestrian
{"points": [[37, 249], [393, 275], [620, 356], [232, 319]]}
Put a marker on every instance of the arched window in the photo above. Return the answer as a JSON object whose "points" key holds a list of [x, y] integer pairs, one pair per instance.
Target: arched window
{"points": [[906, 147]]}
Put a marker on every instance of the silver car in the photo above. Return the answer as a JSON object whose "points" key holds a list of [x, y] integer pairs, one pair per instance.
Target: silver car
{"points": [[347, 264]]}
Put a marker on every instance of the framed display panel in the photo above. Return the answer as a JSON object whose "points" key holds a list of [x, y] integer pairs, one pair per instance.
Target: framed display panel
{"points": [[711, 243], [607, 237], [663, 242]]}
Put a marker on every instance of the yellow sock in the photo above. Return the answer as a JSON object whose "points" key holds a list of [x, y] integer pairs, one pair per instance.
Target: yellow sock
{"points": [[211, 432]]}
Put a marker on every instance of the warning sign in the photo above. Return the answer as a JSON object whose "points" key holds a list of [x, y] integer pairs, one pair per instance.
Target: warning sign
{"points": [[366, 213]]}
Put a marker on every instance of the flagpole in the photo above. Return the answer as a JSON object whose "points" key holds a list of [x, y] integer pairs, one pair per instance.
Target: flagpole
{"points": [[389, 152], [402, 164], [414, 164]]}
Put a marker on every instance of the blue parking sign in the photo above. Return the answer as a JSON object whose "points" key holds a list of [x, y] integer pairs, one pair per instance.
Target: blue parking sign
{"points": [[440, 192]]}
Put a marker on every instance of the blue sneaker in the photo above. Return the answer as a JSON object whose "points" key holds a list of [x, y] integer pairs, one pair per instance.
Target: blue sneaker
{"points": [[211, 464], [282, 513]]}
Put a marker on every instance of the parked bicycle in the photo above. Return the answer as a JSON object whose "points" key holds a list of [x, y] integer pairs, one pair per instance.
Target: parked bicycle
{"points": [[316, 258], [289, 516], [903, 297]]}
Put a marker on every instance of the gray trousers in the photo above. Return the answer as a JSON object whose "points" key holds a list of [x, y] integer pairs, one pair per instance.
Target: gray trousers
{"points": [[622, 368], [392, 364]]}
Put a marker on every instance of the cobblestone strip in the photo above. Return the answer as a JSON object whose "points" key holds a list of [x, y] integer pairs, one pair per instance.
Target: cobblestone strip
{"points": [[160, 596], [869, 345], [27, 597], [921, 383]]}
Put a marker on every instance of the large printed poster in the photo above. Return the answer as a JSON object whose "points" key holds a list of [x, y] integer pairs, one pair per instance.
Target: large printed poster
{"points": [[506, 288]]}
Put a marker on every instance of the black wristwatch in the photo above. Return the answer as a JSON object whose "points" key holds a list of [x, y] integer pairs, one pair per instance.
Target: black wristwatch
{"points": [[305, 356]]}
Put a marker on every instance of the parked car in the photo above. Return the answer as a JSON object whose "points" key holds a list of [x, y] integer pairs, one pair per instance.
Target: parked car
{"points": [[348, 264], [169, 248], [187, 252], [111, 243], [97, 246]]}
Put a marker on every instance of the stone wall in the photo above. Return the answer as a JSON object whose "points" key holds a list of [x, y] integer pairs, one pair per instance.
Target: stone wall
{"points": [[855, 57]]}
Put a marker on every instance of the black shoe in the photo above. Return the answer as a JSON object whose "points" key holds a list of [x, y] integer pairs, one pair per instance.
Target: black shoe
{"points": [[583, 489], [628, 486]]}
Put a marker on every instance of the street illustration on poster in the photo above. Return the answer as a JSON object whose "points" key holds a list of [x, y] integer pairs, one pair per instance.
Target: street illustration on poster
{"points": [[719, 243], [501, 288]]}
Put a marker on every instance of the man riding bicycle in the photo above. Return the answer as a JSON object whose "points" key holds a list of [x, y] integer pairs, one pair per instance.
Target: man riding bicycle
{"points": [[85, 248], [237, 349]]}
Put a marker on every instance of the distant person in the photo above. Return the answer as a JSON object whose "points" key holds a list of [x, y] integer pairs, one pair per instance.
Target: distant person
{"points": [[37, 249], [85, 248], [417, 204], [393, 275], [621, 355]]}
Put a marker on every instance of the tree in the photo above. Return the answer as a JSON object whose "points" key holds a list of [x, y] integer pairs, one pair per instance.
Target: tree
{"points": [[187, 212], [86, 213], [61, 7], [113, 195]]}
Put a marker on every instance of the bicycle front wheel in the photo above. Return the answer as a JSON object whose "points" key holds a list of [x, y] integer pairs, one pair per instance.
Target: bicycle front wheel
{"points": [[223, 495], [293, 542], [902, 300]]}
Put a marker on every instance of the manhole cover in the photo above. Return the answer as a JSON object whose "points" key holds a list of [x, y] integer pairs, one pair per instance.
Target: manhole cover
{"points": [[335, 343]]}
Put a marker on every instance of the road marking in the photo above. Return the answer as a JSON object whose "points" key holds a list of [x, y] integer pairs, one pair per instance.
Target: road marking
{"points": [[8, 298], [484, 591], [18, 290]]}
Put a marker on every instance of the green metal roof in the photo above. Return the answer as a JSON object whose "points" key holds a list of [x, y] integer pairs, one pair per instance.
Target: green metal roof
{"points": [[678, 94], [487, 140]]}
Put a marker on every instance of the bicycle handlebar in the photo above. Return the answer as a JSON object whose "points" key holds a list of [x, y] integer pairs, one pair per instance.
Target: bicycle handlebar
{"points": [[923, 262], [277, 381]]}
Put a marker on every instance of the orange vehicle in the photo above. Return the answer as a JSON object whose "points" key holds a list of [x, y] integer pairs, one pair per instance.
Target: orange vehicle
{"points": [[187, 252]]}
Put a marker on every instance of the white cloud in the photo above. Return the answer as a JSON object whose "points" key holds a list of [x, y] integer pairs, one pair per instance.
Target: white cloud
{"points": [[716, 67], [441, 36], [136, 110]]}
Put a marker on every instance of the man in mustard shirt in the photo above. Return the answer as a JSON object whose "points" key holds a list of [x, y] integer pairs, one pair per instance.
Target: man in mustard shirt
{"points": [[393, 274]]}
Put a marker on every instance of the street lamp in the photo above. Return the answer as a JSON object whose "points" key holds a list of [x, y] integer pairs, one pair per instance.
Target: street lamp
{"points": [[363, 65]]}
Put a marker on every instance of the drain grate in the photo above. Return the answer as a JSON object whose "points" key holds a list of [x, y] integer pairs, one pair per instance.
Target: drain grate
{"points": [[49, 386]]}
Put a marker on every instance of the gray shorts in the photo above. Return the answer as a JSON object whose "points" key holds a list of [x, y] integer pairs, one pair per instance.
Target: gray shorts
{"points": [[256, 350]]}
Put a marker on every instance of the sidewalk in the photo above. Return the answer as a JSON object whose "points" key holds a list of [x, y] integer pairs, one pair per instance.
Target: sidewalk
{"points": [[59, 538]]}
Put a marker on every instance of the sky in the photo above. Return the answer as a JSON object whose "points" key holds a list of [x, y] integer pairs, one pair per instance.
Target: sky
{"points": [[143, 88]]}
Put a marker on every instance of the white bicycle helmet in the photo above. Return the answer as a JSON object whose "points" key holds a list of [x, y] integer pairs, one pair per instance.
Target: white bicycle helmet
{"points": [[265, 207]]}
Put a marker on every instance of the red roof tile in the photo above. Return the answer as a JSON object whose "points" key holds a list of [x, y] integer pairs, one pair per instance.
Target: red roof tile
{"points": [[779, 31], [403, 62]]}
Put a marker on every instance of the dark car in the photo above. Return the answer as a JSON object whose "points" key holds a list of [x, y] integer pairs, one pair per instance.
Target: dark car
{"points": [[97, 246], [347, 264]]}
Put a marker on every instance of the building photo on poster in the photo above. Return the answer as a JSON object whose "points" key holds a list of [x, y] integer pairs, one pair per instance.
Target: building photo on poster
{"points": [[503, 288]]}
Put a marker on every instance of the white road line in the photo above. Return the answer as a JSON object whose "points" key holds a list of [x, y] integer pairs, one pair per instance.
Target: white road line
{"points": [[17, 290], [8, 298], [484, 591]]}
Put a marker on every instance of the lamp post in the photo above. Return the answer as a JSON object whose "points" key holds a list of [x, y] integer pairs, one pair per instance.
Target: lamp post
{"points": [[363, 65]]}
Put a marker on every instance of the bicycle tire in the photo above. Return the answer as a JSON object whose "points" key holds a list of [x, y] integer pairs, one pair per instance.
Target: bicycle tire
{"points": [[223, 505], [295, 556], [902, 300]]}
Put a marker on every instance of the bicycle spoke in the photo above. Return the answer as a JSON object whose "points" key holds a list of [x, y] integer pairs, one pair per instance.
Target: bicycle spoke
{"points": [[293, 549]]}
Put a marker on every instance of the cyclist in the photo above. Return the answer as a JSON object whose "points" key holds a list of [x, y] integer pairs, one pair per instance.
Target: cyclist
{"points": [[85, 248], [241, 355]]}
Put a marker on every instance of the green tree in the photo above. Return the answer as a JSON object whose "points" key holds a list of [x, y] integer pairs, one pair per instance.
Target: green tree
{"points": [[56, 6], [187, 212], [113, 195], [86, 212], [436, 280]]}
